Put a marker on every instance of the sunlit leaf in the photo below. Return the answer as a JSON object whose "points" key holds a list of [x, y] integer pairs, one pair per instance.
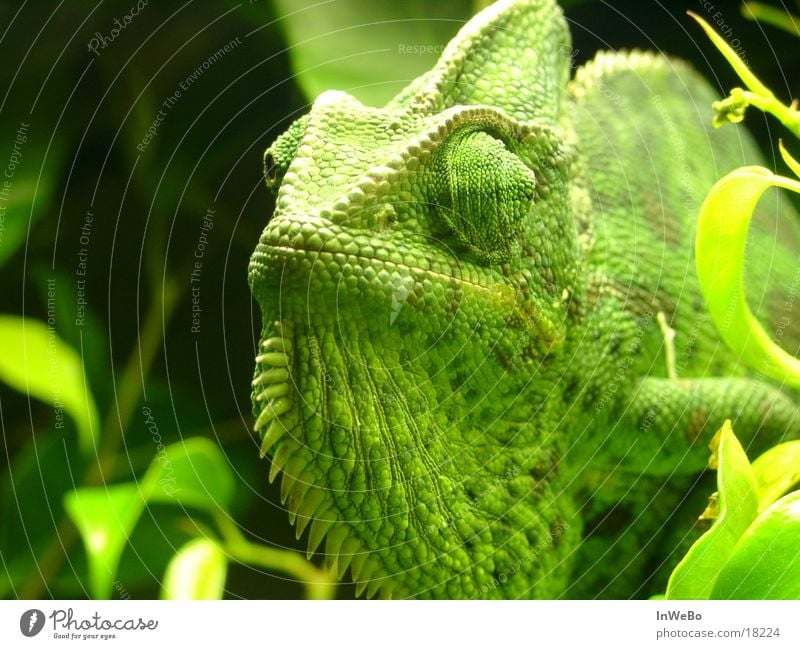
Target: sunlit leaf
{"points": [[28, 193], [790, 161], [193, 473], [720, 254], [733, 107], [765, 564], [765, 13], [737, 506], [37, 362], [105, 517], [739, 66], [369, 49], [776, 471], [197, 571]]}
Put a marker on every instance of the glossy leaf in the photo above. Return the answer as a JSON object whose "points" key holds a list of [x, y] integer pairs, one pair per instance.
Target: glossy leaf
{"points": [[769, 15], [193, 473], [776, 471], [737, 506], [739, 66], [105, 517], [197, 571], [380, 47], [733, 107], [765, 564], [28, 193], [720, 255], [37, 362], [790, 161]]}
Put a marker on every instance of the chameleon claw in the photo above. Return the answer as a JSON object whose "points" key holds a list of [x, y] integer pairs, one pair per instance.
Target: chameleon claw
{"points": [[387, 590], [288, 482], [335, 540], [281, 345], [319, 528], [357, 567], [273, 359], [349, 550], [273, 375], [279, 460], [274, 433], [311, 503], [330, 565], [342, 564], [274, 391], [302, 524], [373, 587], [271, 411], [293, 503], [361, 586]]}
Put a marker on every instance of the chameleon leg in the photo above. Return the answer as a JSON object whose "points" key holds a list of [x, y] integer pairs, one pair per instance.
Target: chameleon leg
{"points": [[669, 422], [641, 510]]}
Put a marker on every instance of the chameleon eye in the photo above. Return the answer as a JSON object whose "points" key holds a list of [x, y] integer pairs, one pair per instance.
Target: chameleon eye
{"points": [[270, 169], [483, 192], [274, 168], [280, 154]]}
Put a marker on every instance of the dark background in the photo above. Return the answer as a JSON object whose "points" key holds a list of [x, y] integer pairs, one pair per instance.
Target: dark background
{"points": [[86, 113]]}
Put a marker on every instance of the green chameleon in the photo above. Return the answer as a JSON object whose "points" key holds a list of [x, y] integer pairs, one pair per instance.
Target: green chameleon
{"points": [[462, 375]]}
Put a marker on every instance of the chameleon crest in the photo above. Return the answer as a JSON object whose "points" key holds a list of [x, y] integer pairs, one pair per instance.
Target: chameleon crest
{"points": [[450, 285]]}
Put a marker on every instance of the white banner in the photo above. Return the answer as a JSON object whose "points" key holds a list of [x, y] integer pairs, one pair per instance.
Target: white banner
{"points": [[401, 625]]}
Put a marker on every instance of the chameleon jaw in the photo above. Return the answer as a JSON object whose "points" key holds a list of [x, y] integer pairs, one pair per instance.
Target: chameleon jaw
{"points": [[309, 506], [271, 386]]}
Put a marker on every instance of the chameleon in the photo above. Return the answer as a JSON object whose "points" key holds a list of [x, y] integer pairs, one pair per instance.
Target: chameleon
{"points": [[486, 369]]}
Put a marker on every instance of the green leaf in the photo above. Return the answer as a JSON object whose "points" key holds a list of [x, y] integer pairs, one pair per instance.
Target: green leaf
{"points": [[370, 49], [765, 564], [739, 66], [37, 362], [776, 471], [197, 571], [779, 18], [793, 164], [720, 253], [28, 194], [737, 504], [193, 473], [105, 517]]}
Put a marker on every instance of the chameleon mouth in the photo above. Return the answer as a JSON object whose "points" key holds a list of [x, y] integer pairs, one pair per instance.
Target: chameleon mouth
{"points": [[361, 261]]}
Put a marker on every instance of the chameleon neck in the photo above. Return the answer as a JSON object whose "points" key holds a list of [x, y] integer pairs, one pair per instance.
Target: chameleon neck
{"points": [[417, 456]]}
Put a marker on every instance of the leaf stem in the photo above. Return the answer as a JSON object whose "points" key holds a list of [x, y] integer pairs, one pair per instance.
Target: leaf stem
{"points": [[789, 116], [772, 16], [130, 389], [319, 583]]}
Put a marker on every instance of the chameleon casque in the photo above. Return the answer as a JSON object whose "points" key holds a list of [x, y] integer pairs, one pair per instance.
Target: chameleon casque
{"points": [[461, 378]]}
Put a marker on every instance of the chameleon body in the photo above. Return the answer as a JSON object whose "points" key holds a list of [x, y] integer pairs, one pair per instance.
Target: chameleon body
{"points": [[461, 377]]}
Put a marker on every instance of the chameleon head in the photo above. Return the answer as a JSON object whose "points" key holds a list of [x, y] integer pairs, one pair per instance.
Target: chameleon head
{"points": [[416, 274]]}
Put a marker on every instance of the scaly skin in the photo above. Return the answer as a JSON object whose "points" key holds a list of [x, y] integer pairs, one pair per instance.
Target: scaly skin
{"points": [[461, 370]]}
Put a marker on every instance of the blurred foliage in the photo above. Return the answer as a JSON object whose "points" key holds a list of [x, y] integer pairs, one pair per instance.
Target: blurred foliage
{"points": [[750, 552], [724, 221], [746, 554], [135, 196]]}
